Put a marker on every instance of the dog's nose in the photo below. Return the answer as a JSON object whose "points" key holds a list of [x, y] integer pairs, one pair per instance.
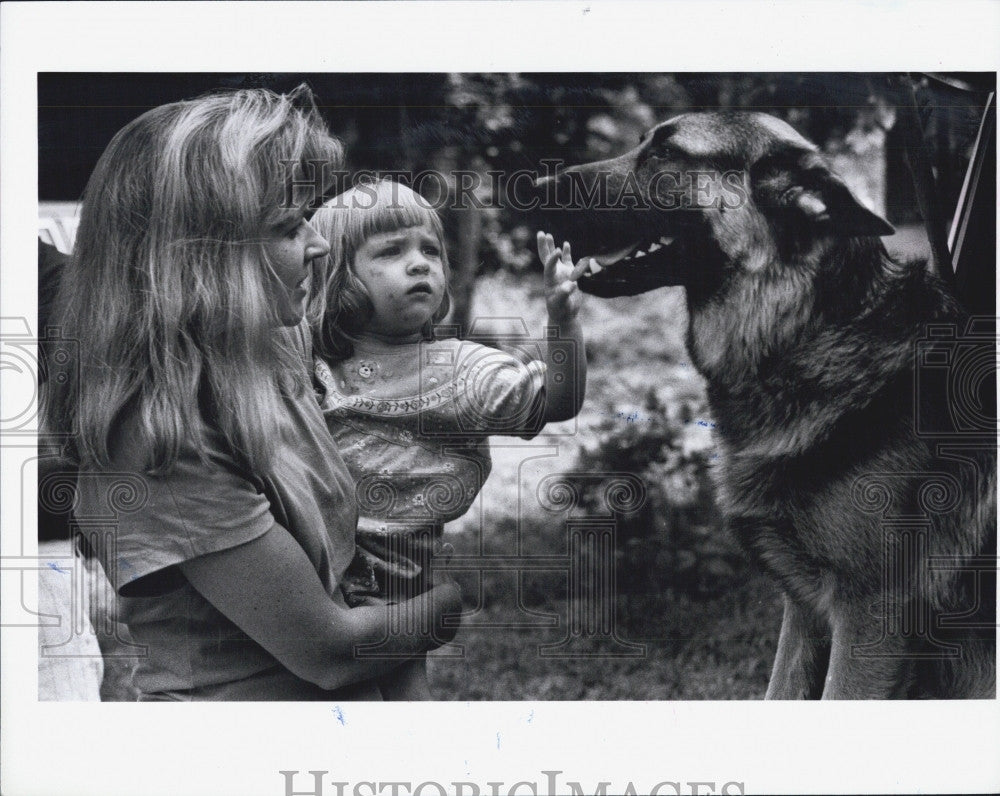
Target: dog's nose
{"points": [[544, 182]]}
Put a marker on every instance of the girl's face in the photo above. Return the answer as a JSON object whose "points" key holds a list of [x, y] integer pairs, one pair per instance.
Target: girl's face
{"points": [[290, 251], [403, 272]]}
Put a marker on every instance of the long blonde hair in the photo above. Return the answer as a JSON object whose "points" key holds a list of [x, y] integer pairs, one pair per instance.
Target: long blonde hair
{"points": [[339, 306], [167, 292]]}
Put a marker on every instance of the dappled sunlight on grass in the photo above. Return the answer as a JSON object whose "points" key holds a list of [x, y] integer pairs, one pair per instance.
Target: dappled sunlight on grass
{"points": [[713, 649]]}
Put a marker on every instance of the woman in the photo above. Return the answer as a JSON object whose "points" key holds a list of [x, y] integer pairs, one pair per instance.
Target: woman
{"points": [[193, 420]]}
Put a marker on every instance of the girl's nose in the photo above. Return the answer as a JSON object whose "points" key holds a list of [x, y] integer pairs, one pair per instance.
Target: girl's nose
{"points": [[316, 245], [418, 265]]}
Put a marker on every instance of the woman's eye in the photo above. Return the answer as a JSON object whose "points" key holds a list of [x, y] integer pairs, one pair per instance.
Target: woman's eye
{"points": [[294, 229]]}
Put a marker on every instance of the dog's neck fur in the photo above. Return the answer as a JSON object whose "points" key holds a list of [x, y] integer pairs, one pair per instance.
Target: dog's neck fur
{"points": [[748, 340]]}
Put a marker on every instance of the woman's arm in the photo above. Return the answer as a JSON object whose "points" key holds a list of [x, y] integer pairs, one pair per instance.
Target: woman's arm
{"points": [[271, 591]]}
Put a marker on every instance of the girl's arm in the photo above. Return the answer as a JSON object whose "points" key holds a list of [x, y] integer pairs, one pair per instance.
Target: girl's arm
{"points": [[270, 590], [566, 377]]}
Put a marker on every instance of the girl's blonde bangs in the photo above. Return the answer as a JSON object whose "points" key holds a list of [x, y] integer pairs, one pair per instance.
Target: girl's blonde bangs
{"points": [[371, 209]]}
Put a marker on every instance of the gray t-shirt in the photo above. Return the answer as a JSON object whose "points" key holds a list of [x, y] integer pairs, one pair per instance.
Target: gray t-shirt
{"points": [[192, 650]]}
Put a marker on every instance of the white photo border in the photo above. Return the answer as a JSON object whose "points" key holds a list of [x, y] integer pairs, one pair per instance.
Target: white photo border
{"points": [[108, 749]]}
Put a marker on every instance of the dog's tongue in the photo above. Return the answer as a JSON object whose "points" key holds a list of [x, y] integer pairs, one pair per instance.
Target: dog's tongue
{"points": [[604, 260]]}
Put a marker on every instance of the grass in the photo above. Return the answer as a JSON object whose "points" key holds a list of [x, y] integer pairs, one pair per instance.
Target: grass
{"points": [[714, 649]]}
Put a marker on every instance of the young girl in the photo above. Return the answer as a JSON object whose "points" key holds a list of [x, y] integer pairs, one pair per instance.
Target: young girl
{"points": [[411, 414], [209, 483]]}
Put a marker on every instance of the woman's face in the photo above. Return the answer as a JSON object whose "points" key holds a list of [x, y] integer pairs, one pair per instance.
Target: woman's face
{"points": [[290, 251]]}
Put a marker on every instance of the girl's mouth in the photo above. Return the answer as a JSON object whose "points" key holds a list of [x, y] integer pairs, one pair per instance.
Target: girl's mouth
{"points": [[420, 287]]}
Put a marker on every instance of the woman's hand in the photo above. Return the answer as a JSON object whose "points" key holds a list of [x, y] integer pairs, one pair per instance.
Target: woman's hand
{"points": [[447, 594], [446, 599], [269, 588], [562, 296]]}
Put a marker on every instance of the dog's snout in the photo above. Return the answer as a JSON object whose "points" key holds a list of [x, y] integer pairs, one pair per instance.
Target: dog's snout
{"points": [[552, 179], [560, 177], [542, 183]]}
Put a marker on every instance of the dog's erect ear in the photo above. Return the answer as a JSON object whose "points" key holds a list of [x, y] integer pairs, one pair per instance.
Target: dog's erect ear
{"points": [[830, 199], [803, 185]]}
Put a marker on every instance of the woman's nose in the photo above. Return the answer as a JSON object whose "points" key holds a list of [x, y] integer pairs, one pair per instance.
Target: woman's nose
{"points": [[316, 245]]}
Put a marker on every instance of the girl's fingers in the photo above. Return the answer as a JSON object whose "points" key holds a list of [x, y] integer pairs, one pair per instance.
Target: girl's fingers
{"points": [[549, 268], [544, 249], [564, 302], [567, 256], [542, 241], [577, 272]]}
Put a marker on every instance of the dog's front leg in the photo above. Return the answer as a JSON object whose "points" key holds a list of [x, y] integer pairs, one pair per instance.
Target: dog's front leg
{"points": [[801, 659], [860, 669]]}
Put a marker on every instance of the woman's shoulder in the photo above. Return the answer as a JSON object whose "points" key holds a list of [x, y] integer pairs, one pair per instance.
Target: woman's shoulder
{"points": [[202, 446]]}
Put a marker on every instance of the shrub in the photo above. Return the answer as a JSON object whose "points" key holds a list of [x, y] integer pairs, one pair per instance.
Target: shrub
{"points": [[675, 540]]}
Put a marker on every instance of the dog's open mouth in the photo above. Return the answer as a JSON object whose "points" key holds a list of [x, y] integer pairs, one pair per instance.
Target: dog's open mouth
{"points": [[633, 269], [626, 255]]}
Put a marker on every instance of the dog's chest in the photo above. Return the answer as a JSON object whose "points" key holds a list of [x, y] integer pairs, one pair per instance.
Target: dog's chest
{"points": [[785, 514]]}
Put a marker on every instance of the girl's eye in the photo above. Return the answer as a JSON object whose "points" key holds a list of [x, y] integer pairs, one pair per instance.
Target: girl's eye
{"points": [[390, 251], [432, 251]]}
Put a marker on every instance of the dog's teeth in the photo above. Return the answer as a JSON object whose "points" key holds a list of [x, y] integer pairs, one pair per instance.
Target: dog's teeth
{"points": [[637, 255], [595, 267], [653, 247], [666, 241]]}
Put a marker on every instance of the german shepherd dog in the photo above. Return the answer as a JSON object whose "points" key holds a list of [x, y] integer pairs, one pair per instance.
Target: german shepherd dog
{"points": [[849, 471]]}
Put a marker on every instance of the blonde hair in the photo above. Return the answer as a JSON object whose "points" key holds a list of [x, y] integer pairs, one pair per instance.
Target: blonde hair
{"points": [[167, 293], [340, 306]]}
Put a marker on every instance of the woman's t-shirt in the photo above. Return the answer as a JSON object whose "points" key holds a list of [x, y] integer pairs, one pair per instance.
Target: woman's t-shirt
{"points": [[153, 523]]}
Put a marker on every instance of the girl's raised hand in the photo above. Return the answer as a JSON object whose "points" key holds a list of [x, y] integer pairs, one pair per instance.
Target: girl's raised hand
{"points": [[562, 296]]}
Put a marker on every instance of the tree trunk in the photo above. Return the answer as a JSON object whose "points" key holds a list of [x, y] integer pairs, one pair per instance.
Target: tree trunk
{"points": [[465, 263]]}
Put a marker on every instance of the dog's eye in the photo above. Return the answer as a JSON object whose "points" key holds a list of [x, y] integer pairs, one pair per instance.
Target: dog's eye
{"points": [[789, 195], [662, 149]]}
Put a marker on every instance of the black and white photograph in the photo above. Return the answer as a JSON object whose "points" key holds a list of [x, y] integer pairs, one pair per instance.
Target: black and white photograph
{"points": [[456, 427]]}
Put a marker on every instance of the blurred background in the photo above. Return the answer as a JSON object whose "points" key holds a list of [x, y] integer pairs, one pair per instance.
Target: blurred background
{"points": [[680, 614]]}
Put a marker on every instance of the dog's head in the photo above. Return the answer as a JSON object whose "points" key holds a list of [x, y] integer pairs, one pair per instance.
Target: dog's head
{"points": [[703, 195]]}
